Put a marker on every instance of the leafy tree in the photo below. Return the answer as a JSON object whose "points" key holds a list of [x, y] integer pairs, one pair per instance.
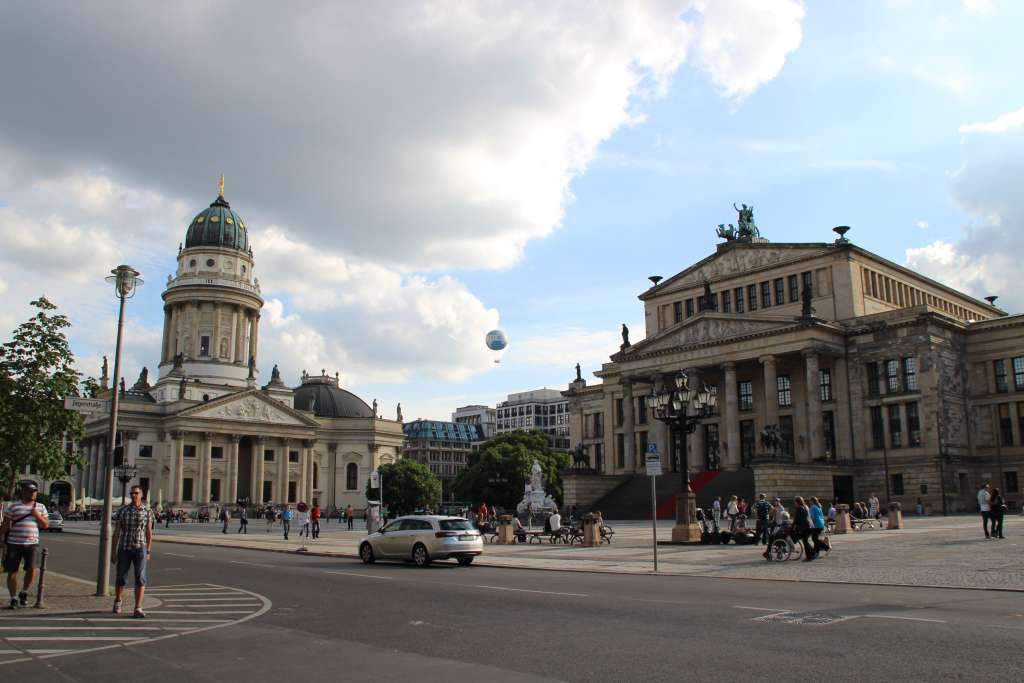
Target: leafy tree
{"points": [[407, 486], [36, 373], [91, 387], [499, 471]]}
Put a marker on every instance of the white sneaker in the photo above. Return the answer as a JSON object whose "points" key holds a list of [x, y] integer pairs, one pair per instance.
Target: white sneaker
{"points": [[117, 607]]}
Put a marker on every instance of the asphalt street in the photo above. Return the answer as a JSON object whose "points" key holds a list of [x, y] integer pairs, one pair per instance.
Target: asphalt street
{"points": [[272, 615]]}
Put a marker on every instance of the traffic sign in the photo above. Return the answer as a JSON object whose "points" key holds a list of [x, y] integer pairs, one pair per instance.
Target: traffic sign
{"points": [[374, 479], [652, 448], [87, 405], [653, 463]]}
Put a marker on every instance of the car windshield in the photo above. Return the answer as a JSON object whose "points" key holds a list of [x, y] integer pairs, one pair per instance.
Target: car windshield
{"points": [[455, 525], [394, 525]]}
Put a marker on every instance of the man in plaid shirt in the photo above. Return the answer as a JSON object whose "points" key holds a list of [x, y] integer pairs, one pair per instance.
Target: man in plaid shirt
{"points": [[133, 538]]}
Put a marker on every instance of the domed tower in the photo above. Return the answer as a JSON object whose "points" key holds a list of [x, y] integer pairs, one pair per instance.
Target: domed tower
{"points": [[212, 305]]}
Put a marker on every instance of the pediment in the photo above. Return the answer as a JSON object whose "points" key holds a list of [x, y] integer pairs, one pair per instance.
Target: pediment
{"points": [[249, 406], [710, 327]]}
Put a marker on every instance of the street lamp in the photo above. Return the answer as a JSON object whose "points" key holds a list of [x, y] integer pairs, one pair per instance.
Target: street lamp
{"points": [[125, 280], [124, 474], [682, 409]]}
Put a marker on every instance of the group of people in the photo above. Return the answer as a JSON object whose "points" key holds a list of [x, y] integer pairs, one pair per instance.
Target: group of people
{"points": [[807, 522], [993, 508]]}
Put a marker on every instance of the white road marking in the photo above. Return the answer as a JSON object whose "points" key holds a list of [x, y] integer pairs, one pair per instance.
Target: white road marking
{"points": [[366, 576], [189, 598], [191, 557], [49, 638], [153, 611], [528, 590], [80, 628], [893, 616], [256, 564], [777, 610], [233, 604]]}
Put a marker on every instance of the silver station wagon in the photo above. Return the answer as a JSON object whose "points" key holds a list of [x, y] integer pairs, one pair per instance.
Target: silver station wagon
{"points": [[423, 539]]}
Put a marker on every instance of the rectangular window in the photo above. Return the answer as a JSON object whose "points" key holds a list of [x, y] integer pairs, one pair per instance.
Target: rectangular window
{"points": [[895, 427], [293, 456], [747, 441], [786, 430], [874, 285], [1011, 482], [216, 453], [872, 372], [292, 491], [746, 391], [877, 428], [701, 304], [598, 424], [897, 484], [784, 387], [268, 455], [677, 311], [825, 383], [727, 302], [267, 494], [1001, 381], [190, 451], [1005, 425], [909, 374], [913, 425], [689, 308], [808, 279], [620, 450], [204, 346], [640, 412], [780, 291], [144, 485], [738, 296], [751, 297], [892, 377], [710, 443], [766, 294], [145, 451], [828, 426], [619, 415], [794, 288], [186, 488], [214, 490], [1018, 373]]}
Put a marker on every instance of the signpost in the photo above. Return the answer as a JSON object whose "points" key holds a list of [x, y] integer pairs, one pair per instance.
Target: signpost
{"points": [[653, 464], [87, 405], [377, 482]]}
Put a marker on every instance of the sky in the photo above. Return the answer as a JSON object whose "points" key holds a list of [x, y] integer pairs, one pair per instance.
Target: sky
{"points": [[415, 174]]}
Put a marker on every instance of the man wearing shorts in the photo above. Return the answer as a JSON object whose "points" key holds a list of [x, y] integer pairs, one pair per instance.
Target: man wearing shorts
{"points": [[21, 526], [133, 539]]}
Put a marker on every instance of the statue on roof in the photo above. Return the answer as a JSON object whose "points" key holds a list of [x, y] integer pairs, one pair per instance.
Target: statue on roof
{"points": [[400, 412], [709, 298], [142, 383], [252, 367], [375, 407], [625, 335], [275, 374], [745, 221], [104, 374], [579, 378], [182, 385]]}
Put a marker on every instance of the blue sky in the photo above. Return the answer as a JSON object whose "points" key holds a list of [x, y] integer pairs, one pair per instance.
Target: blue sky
{"points": [[409, 189]]}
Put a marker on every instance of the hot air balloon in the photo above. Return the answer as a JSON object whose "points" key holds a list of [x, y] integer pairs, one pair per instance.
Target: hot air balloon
{"points": [[496, 341]]}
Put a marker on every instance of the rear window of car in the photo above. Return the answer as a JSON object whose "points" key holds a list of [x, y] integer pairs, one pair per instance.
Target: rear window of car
{"points": [[455, 525]]}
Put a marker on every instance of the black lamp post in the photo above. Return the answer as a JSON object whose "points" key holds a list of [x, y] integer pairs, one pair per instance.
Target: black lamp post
{"points": [[682, 409], [124, 473]]}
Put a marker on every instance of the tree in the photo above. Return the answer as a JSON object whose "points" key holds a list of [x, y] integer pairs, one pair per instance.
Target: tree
{"points": [[407, 485], [498, 472], [36, 373]]}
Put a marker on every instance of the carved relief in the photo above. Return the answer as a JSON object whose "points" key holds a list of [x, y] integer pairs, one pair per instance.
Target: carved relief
{"points": [[738, 261], [714, 329], [250, 408]]}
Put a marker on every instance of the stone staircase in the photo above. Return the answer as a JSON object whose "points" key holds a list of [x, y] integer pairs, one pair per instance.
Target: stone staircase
{"points": [[632, 498]]}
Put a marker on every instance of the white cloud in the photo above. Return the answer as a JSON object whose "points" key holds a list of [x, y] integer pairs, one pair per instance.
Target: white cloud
{"points": [[978, 6], [921, 224], [985, 261]]}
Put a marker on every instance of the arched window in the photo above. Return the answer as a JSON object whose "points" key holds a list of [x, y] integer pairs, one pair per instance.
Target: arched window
{"points": [[316, 476], [352, 476]]}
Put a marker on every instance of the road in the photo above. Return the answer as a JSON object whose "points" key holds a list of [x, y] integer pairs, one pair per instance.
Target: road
{"points": [[315, 617]]}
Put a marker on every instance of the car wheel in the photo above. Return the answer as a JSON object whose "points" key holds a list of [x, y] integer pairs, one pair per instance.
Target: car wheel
{"points": [[420, 555], [366, 553], [466, 561]]}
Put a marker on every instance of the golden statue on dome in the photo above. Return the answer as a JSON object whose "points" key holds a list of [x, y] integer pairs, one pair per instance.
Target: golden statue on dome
{"points": [[220, 187]]}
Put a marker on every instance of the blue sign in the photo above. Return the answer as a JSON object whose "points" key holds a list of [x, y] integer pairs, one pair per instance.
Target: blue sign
{"points": [[652, 448]]}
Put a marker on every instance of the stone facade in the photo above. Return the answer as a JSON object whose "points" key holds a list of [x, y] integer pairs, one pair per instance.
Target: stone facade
{"points": [[888, 385]]}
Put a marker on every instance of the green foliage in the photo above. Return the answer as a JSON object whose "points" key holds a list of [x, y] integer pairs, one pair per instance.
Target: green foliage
{"points": [[36, 373], [407, 486], [499, 471], [91, 387]]}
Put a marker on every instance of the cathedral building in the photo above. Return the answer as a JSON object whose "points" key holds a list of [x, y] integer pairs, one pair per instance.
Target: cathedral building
{"points": [[874, 379], [206, 432]]}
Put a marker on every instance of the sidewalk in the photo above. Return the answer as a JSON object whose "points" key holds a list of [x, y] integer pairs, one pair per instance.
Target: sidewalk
{"points": [[931, 551], [61, 594]]}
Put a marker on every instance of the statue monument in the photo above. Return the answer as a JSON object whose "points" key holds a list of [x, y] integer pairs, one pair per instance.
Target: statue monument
{"points": [[625, 336], [534, 499], [745, 228]]}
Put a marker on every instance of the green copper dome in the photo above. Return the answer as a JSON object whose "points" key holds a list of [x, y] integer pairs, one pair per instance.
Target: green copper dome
{"points": [[218, 226]]}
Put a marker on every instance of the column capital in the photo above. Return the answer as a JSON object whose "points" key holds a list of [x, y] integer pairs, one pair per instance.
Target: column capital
{"points": [[208, 436], [809, 352], [767, 359], [234, 438], [178, 434], [260, 439], [309, 443], [728, 365]]}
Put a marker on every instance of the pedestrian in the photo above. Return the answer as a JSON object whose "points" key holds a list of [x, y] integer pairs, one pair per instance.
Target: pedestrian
{"points": [[225, 517], [762, 509], [243, 521], [167, 518], [314, 519], [132, 545], [303, 521], [997, 512], [286, 520], [802, 525], [817, 526], [349, 516], [733, 510], [20, 534], [985, 507], [873, 506], [716, 508], [269, 515]]}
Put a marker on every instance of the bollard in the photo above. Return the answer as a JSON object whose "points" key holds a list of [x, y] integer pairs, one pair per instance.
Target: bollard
{"points": [[42, 579]]}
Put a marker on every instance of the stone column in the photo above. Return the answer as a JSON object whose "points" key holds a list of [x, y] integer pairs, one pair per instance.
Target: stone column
{"points": [[695, 440], [232, 493], [173, 344], [732, 419], [205, 463], [608, 425], [254, 336], [194, 332], [845, 433], [628, 426], [332, 477], [258, 445], [282, 471], [816, 441], [100, 473], [85, 477], [239, 340], [215, 341], [165, 352], [179, 466], [771, 390]]}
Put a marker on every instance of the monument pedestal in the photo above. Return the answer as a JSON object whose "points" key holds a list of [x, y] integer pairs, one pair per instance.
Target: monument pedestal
{"points": [[686, 529]]}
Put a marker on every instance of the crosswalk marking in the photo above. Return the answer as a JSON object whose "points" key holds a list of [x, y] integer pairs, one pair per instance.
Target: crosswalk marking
{"points": [[36, 639]]}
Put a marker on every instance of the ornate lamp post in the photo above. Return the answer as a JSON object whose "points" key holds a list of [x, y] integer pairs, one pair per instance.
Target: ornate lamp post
{"points": [[682, 409], [124, 473], [125, 280]]}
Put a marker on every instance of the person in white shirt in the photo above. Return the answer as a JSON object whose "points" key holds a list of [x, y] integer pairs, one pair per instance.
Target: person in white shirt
{"points": [[985, 506], [555, 521], [733, 510]]}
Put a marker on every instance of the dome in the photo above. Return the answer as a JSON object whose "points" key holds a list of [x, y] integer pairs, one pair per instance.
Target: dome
{"points": [[325, 398], [217, 226]]}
